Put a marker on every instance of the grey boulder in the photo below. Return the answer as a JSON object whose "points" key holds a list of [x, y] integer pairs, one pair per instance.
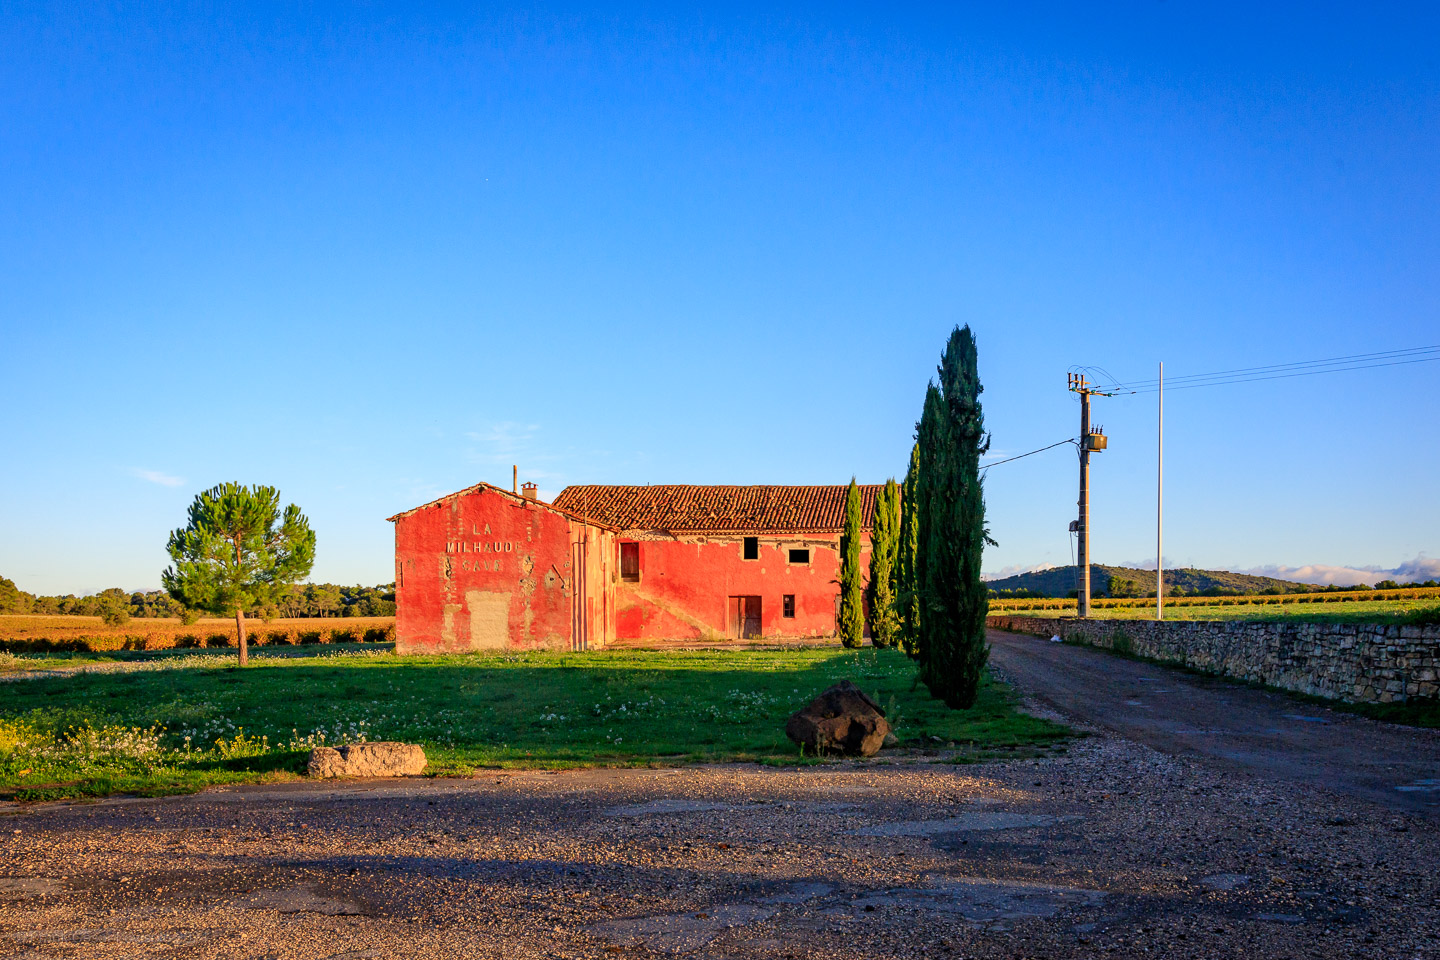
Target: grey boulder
{"points": [[841, 720], [382, 759]]}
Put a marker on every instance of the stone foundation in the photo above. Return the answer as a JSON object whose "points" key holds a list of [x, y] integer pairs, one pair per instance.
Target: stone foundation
{"points": [[1369, 663]]}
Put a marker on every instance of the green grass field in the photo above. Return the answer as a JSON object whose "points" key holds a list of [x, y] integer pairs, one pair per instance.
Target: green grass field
{"points": [[122, 660], [1363, 611], [162, 723]]}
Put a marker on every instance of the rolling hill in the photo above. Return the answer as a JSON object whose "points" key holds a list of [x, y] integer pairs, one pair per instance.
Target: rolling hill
{"points": [[1129, 582]]}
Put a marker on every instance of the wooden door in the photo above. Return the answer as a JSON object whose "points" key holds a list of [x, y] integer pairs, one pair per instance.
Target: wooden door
{"points": [[752, 618], [744, 616]]}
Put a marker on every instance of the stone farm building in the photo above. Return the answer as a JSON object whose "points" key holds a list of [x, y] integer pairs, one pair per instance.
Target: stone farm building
{"points": [[486, 568]]}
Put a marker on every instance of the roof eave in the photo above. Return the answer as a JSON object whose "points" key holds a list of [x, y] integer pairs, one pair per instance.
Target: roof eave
{"points": [[518, 498]]}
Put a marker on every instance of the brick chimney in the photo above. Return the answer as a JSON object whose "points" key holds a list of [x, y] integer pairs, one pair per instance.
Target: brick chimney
{"points": [[528, 489]]}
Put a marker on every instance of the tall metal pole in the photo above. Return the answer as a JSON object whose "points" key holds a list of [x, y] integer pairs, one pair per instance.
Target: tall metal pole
{"points": [[1160, 503], [1084, 531]]}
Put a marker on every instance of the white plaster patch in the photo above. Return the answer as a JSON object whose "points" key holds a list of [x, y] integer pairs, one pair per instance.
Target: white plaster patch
{"points": [[489, 619]]}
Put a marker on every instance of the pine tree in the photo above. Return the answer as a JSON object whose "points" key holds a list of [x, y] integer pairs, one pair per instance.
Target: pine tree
{"points": [[884, 543], [238, 551], [952, 534], [851, 622], [907, 590]]}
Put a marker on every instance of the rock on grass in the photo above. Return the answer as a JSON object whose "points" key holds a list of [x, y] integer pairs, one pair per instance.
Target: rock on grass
{"points": [[841, 720], [382, 759]]}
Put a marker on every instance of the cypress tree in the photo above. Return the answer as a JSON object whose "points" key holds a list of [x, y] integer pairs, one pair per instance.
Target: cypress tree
{"points": [[851, 622], [884, 544], [932, 441], [907, 589], [952, 534]]}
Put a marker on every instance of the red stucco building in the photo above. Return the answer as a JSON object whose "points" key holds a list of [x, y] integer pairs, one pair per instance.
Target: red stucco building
{"points": [[487, 568]]}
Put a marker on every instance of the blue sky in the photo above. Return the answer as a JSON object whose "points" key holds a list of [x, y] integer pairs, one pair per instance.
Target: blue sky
{"points": [[373, 253]]}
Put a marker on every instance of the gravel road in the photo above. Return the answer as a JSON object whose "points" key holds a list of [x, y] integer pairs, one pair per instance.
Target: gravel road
{"points": [[1118, 848], [1228, 726]]}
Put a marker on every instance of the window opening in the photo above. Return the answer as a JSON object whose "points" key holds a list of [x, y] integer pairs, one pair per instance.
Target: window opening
{"points": [[752, 548], [630, 562], [787, 605], [800, 556]]}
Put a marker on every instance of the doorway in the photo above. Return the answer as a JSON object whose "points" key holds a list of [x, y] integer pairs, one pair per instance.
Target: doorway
{"points": [[745, 618]]}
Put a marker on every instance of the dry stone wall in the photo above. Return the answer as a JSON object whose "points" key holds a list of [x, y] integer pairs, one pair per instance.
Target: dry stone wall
{"points": [[1359, 662]]}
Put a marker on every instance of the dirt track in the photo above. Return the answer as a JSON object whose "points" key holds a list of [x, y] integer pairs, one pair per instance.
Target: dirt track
{"points": [[1115, 850], [1226, 725]]}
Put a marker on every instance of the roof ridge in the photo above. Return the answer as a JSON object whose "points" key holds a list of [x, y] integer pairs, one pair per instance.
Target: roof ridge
{"points": [[718, 508]]}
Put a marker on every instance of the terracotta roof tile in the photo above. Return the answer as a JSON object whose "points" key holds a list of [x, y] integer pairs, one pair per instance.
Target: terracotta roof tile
{"points": [[687, 508]]}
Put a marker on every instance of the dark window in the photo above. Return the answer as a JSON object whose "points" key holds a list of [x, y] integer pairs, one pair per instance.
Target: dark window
{"points": [[752, 548], [787, 606], [630, 561], [799, 556]]}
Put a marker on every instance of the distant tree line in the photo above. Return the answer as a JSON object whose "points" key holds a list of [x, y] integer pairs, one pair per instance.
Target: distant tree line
{"points": [[1123, 587], [118, 606], [1130, 583], [330, 600], [1019, 593]]}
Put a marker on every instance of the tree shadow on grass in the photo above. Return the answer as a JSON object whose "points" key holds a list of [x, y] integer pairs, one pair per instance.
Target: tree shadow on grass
{"points": [[542, 710]]}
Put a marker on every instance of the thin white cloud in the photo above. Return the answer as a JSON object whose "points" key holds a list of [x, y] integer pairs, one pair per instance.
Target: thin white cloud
{"points": [[1170, 564], [508, 442], [502, 442], [1016, 570], [1419, 569], [418, 490], [155, 476]]}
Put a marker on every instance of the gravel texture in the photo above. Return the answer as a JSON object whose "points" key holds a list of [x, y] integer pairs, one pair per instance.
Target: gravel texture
{"points": [[1112, 850]]}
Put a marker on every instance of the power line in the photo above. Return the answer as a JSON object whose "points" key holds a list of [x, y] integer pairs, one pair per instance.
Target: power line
{"points": [[987, 466], [1280, 371], [1079, 382], [1280, 367], [1328, 361], [1286, 376]]}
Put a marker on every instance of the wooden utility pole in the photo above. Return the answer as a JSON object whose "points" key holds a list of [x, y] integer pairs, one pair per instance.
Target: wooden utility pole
{"points": [[1083, 531], [1090, 440]]}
